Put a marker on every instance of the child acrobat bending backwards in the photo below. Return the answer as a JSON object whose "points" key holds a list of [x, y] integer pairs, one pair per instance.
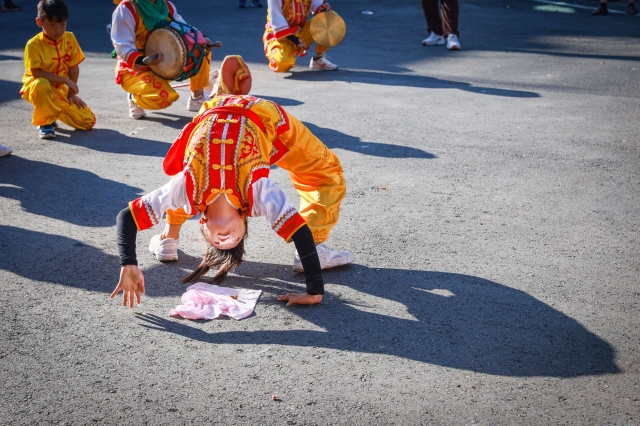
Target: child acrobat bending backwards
{"points": [[220, 165]]}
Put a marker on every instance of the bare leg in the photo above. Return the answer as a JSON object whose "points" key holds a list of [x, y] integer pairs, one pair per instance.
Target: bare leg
{"points": [[171, 231]]}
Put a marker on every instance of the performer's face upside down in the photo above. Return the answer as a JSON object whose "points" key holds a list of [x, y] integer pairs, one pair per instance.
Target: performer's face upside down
{"points": [[222, 225], [225, 230]]}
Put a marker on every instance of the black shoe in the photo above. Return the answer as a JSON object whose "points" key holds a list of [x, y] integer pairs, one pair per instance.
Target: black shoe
{"points": [[631, 10], [242, 6], [257, 5], [602, 10], [10, 7]]}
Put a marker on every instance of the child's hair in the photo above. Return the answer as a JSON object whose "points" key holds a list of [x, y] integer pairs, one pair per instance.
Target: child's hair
{"points": [[53, 10], [224, 260]]}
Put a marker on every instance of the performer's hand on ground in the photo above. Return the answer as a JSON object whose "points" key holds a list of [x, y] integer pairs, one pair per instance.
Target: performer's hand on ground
{"points": [[153, 59], [131, 283], [73, 87], [300, 298], [75, 99]]}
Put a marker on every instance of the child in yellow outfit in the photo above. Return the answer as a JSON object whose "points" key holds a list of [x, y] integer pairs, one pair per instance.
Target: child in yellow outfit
{"points": [[287, 34], [50, 81]]}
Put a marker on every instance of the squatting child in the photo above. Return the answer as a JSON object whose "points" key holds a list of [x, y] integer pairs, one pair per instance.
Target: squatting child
{"points": [[50, 82]]}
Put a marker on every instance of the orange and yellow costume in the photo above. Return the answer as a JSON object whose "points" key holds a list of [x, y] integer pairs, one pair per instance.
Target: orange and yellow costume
{"points": [[284, 18], [50, 101], [129, 35], [228, 150]]}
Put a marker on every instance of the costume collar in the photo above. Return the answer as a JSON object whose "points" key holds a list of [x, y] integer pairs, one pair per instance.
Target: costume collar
{"points": [[49, 40]]}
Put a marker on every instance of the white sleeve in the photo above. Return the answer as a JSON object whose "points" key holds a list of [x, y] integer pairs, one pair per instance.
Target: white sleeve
{"points": [[315, 4], [123, 32], [176, 15], [172, 195], [277, 19], [271, 202]]}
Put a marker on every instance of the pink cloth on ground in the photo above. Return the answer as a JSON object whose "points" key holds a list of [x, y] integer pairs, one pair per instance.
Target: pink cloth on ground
{"points": [[207, 301]]}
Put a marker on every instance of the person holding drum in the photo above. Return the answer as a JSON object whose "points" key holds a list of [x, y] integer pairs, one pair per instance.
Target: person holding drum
{"points": [[288, 34], [220, 165], [133, 23]]}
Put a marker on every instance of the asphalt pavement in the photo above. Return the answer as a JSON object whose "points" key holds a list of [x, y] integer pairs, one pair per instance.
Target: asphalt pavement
{"points": [[492, 207]]}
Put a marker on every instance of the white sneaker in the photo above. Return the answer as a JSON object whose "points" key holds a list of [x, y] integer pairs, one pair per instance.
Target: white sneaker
{"points": [[5, 150], [452, 42], [165, 250], [322, 63], [329, 258], [433, 40], [134, 110], [195, 104]]}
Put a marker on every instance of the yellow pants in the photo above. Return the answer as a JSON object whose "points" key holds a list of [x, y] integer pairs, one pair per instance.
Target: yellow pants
{"points": [[282, 53], [153, 92], [316, 173], [50, 104]]}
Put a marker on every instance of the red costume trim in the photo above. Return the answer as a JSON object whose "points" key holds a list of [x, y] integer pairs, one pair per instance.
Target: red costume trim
{"points": [[290, 226], [287, 31], [131, 59], [174, 160], [140, 214], [132, 9]]}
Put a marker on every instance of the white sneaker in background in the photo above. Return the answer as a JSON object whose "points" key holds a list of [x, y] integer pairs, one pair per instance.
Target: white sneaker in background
{"points": [[433, 40], [165, 250], [5, 150], [134, 110], [329, 258], [452, 42], [195, 104], [322, 63]]}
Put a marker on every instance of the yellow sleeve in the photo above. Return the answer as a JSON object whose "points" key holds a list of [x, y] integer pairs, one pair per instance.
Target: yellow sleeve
{"points": [[271, 117], [32, 57], [77, 55]]}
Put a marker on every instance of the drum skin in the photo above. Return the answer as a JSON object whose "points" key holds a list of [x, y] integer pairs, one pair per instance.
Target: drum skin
{"points": [[169, 42], [328, 29]]}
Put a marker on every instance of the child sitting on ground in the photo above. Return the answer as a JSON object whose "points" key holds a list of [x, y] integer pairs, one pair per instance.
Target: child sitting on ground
{"points": [[50, 81]]}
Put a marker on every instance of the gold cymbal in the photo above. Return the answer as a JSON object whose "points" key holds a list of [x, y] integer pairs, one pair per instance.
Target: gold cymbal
{"points": [[328, 29]]}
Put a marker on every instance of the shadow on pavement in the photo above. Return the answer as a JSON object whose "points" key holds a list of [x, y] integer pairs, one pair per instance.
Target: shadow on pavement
{"points": [[9, 91], [165, 118], [63, 193], [285, 102], [56, 259], [446, 319], [106, 140], [335, 139], [389, 79], [440, 318]]}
